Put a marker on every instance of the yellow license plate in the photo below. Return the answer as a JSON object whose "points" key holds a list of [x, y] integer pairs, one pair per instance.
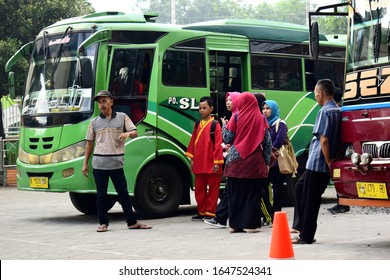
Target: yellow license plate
{"points": [[371, 190], [39, 182]]}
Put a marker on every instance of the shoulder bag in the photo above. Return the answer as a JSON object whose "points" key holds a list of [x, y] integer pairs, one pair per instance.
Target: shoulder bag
{"points": [[287, 161]]}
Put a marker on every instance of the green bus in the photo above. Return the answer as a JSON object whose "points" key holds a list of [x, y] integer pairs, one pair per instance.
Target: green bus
{"points": [[157, 74]]}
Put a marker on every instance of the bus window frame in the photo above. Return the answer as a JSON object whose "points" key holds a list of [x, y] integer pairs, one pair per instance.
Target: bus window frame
{"points": [[128, 103]]}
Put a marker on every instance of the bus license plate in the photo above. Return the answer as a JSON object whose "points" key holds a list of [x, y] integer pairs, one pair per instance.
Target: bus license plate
{"points": [[371, 190], [39, 182]]}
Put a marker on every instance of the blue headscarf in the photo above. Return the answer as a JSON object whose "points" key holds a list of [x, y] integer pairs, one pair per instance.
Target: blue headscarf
{"points": [[275, 114]]}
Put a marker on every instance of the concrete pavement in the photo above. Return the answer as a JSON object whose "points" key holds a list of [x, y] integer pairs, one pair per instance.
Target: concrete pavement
{"points": [[46, 226]]}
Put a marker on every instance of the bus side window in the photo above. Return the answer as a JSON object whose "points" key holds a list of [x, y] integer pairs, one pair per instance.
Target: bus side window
{"points": [[290, 74], [129, 81], [276, 73]]}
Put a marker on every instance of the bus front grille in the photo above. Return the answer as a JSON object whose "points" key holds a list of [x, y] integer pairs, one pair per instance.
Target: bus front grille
{"points": [[45, 143], [377, 149]]}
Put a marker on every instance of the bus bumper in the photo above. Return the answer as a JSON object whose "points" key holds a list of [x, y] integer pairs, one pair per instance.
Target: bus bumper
{"points": [[362, 185], [61, 177]]}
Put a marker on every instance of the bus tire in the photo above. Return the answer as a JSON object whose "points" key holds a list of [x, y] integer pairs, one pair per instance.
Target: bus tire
{"points": [[86, 202], [159, 191]]}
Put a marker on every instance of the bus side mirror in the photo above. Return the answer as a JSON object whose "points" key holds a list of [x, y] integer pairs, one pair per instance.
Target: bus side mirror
{"points": [[314, 40], [86, 79], [11, 84]]}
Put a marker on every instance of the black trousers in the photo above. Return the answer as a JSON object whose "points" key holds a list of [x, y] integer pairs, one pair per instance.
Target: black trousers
{"points": [[119, 180], [222, 213], [314, 185]]}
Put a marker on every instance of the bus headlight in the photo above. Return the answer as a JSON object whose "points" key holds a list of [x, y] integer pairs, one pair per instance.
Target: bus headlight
{"points": [[355, 158], [69, 153], [23, 156], [366, 158]]}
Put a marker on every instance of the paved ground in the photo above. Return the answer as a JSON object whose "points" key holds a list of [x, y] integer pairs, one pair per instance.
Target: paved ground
{"points": [[45, 226]]}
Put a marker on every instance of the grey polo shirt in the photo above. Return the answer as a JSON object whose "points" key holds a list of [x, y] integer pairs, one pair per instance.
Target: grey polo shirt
{"points": [[109, 149]]}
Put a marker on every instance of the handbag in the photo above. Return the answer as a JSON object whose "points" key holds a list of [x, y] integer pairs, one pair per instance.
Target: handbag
{"points": [[287, 161]]}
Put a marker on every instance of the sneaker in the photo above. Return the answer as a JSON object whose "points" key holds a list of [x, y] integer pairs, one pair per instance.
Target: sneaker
{"points": [[214, 223], [337, 209], [266, 224], [197, 218]]}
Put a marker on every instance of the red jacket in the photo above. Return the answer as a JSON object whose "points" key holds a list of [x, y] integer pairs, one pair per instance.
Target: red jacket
{"points": [[201, 149]]}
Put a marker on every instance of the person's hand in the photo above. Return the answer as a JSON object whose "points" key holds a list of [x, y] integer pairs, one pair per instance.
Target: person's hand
{"points": [[224, 121], [215, 168], [124, 136], [85, 170], [330, 165]]}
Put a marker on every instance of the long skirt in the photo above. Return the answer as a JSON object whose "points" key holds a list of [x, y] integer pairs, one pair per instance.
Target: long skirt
{"points": [[245, 202]]}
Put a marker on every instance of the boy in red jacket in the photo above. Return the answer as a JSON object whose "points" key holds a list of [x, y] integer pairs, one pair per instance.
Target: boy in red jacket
{"points": [[205, 152]]}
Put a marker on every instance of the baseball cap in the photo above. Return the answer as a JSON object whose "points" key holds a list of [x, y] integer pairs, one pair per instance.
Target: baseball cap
{"points": [[102, 93]]}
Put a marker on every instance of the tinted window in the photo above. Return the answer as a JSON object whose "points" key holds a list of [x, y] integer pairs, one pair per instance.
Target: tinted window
{"points": [[276, 73], [321, 69], [295, 49], [184, 64], [136, 37], [184, 68]]}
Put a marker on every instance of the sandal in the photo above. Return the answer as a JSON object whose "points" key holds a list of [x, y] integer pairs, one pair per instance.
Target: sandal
{"points": [[293, 230], [251, 230], [139, 226], [234, 230], [102, 228]]}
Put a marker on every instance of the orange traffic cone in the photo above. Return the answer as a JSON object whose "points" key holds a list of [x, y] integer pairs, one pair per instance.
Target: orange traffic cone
{"points": [[281, 245]]}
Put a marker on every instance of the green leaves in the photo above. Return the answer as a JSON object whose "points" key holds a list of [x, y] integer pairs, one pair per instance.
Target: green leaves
{"points": [[21, 21]]}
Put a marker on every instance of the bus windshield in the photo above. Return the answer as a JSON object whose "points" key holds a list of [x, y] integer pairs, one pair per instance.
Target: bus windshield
{"points": [[55, 82], [369, 36]]}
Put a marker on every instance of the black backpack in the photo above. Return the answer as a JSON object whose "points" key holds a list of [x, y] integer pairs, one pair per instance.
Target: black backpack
{"points": [[212, 129]]}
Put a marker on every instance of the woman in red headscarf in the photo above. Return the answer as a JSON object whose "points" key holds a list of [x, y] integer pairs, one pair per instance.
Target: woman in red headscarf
{"points": [[247, 163]]}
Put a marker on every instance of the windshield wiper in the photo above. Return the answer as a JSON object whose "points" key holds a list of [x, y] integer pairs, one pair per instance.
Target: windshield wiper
{"points": [[377, 41], [58, 56], [388, 42]]}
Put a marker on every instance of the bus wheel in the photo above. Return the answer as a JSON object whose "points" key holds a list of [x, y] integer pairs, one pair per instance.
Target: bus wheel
{"points": [[86, 202], [159, 191]]}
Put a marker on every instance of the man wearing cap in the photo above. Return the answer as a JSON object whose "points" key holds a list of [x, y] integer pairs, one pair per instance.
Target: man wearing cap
{"points": [[109, 130]]}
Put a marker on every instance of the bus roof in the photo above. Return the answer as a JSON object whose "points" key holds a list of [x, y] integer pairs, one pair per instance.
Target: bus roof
{"points": [[114, 17], [253, 29], [257, 29]]}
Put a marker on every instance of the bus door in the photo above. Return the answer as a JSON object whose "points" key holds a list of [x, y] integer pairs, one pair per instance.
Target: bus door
{"points": [[129, 80], [226, 70]]}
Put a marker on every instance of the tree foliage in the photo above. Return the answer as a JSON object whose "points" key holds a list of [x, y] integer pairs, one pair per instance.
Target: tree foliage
{"points": [[21, 21], [189, 11]]}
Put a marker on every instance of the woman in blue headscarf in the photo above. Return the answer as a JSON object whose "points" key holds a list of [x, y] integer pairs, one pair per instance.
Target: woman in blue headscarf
{"points": [[278, 130]]}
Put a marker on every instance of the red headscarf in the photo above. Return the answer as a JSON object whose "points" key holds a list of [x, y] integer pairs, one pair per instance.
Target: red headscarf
{"points": [[234, 96], [250, 127]]}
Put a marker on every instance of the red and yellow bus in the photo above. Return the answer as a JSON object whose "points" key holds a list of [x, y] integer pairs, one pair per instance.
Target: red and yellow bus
{"points": [[362, 174]]}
